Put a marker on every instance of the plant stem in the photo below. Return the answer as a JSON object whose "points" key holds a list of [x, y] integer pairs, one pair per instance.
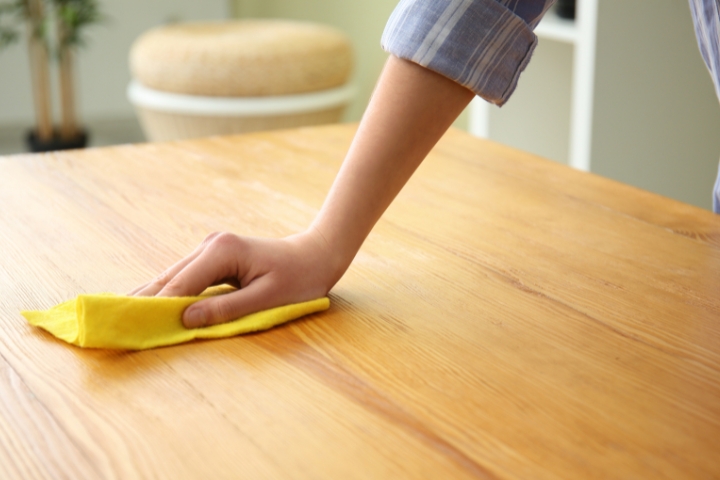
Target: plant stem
{"points": [[39, 70], [68, 124]]}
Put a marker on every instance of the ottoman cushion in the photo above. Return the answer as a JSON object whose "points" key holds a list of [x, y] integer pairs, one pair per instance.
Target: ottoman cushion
{"points": [[245, 58]]}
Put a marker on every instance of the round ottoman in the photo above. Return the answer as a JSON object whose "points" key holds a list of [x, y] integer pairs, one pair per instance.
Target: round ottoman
{"points": [[199, 79]]}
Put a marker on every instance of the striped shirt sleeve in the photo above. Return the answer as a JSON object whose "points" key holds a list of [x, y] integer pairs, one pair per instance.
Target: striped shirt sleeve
{"points": [[706, 18], [483, 45]]}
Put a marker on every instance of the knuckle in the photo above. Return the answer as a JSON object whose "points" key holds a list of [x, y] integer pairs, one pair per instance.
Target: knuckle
{"points": [[225, 241], [208, 239], [162, 279], [172, 285], [225, 238]]}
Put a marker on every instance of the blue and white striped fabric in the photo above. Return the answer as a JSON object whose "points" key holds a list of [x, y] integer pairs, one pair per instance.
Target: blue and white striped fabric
{"points": [[483, 45], [706, 16]]}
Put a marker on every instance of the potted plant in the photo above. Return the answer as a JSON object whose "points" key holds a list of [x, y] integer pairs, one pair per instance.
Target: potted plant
{"points": [[68, 19]]}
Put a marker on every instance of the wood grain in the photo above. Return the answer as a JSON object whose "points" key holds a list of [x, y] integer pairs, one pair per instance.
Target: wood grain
{"points": [[507, 318]]}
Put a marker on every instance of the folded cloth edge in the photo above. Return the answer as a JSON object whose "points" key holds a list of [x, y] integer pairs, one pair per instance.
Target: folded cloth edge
{"points": [[138, 323]]}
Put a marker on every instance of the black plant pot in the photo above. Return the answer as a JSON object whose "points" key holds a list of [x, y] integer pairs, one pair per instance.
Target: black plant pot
{"points": [[566, 8], [56, 142]]}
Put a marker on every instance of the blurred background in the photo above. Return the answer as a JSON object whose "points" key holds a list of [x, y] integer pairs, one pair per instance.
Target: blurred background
{"points": [[639, 101]]}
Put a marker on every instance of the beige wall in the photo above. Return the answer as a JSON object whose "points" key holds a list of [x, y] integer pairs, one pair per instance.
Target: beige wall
{"points": [[537, 117], [657, 118]]}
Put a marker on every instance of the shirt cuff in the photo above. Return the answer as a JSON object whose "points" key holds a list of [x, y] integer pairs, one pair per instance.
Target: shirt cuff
{"points": [[479, 44]]}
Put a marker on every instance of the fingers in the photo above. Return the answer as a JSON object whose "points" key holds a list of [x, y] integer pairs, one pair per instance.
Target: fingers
{"points": [[154, 287], [210, 267], [136, 290], [258, 295], [271, 272]]}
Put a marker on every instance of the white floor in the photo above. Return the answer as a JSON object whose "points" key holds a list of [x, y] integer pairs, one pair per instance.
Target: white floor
{"points": [[102, 133]]}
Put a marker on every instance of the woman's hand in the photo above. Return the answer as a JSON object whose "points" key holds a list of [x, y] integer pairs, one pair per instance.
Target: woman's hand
{"points": [[268, 273], [409, 111]]}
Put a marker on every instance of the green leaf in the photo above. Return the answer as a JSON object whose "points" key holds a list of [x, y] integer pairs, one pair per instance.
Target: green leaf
{"points": [[74, 16]]}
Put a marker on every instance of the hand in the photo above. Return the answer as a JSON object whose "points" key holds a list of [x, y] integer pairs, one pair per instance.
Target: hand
{"points": [[268, 272], [409, 111]]}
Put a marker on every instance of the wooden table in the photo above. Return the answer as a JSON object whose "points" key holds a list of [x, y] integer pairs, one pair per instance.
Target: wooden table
{"points": [[508, 318]]}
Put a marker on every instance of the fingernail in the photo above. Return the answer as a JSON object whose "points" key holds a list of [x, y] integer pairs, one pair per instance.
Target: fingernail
{"points": [[195, 318]]}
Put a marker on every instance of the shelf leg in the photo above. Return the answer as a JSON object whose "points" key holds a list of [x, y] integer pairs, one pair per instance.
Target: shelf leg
{"points": [[582, 91], [479, 122]]}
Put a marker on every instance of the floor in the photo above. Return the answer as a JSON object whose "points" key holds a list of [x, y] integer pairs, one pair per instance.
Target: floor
{"points": [[103, 132]]}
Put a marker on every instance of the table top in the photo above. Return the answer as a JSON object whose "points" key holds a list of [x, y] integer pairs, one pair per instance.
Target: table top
{"points": [[508, 317]]}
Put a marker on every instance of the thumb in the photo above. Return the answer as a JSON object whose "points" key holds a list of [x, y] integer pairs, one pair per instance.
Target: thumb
{"points": [[231, 306]]}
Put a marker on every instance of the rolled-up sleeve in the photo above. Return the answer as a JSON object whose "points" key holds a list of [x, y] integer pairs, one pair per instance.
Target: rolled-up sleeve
{"points": [[483, 45]]}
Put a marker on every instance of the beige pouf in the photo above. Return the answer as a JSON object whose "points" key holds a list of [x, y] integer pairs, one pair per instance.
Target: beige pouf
{"points": [[198, 79]]}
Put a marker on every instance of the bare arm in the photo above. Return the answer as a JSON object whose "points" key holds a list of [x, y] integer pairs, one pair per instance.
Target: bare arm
{"points": [[410, 110]]}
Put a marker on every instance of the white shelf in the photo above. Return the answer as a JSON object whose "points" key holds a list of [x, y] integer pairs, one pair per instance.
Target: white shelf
{"points": [[640, 126], [553, 27], [580, 34]]}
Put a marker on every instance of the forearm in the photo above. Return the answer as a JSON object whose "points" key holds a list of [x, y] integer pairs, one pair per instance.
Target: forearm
{"points": [[410, 110]]}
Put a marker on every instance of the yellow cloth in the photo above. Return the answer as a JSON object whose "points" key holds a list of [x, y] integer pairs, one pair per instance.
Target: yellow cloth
{"points": [[107, 320]]}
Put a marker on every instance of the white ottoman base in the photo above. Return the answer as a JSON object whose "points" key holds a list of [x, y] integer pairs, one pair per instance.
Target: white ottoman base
{"points": [[168, 116]]}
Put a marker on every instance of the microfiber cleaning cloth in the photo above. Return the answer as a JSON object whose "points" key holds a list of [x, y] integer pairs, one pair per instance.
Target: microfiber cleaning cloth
{"points": [[106, 320]]}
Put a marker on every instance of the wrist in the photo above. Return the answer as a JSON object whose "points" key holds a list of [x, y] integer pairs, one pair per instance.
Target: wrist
{"points": [[325, 259]]}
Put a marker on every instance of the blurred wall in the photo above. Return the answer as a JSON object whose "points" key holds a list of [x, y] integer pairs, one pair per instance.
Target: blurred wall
{"points": [[657, 118], [102, 66], [537, 116]]}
